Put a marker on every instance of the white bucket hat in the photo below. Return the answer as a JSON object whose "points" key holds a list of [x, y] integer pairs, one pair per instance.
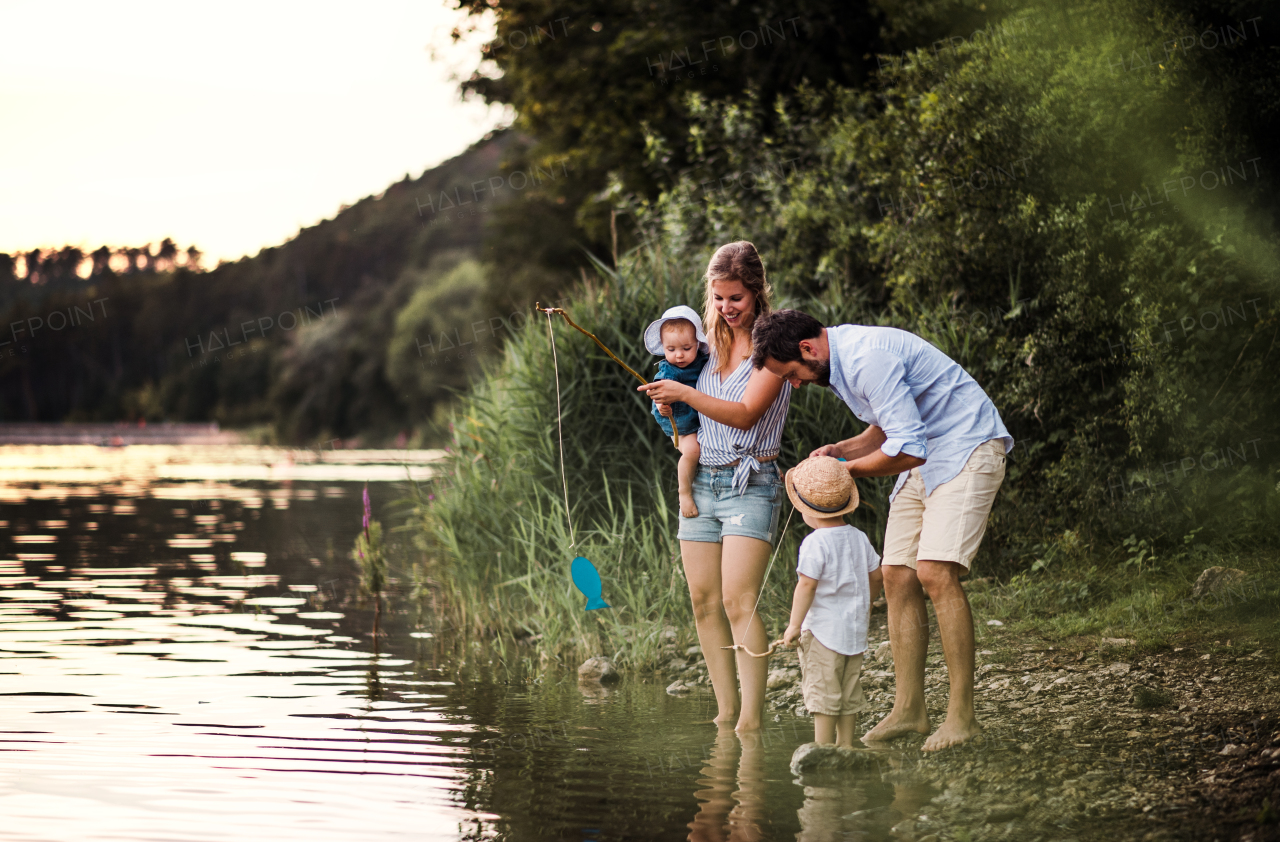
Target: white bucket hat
{"points": [[653, 333]]}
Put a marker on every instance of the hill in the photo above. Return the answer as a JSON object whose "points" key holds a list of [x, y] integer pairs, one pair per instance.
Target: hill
{"points": [[345, 329]]}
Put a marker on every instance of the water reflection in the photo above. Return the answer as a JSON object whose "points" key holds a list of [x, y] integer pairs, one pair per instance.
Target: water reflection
{"points": [[733, 790], [186, 659]]}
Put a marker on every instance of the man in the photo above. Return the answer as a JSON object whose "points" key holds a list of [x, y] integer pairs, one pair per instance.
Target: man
{"points": [[930, 423]]}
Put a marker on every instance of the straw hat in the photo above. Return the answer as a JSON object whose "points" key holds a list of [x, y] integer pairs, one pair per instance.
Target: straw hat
{"points": [[653, 333], [821, 486]]}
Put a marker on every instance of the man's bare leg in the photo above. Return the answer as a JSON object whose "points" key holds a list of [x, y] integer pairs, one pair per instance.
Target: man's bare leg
{"points": [[909, 639], [690, 450], [955, 625]]}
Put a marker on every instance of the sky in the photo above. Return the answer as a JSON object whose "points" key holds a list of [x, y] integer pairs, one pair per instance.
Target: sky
{"points": [[225, 125]]}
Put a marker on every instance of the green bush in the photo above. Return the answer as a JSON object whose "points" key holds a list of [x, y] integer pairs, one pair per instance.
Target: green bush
{"points": [[1079, 304]]}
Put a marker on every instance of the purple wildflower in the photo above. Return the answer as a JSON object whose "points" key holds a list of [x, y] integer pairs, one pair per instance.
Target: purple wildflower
{"points": [[368, 511]]}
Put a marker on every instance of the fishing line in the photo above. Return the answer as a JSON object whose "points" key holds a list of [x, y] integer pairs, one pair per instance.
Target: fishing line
{"points": [[760, 595], [564, 479]]}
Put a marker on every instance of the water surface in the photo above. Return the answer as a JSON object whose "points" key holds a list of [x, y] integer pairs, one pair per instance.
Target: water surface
{"points": [[182, 658]]}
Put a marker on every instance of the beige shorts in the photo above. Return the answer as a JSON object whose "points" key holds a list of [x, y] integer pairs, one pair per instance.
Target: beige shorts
{"points": [[948, 524], [830, 683]]}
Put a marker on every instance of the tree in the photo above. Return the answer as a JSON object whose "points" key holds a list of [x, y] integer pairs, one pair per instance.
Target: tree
{"points": [[164, 258], [101, 257]]}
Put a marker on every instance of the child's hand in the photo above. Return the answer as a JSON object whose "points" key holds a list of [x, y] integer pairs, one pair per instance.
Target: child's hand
{"points": [[790, 636], [665, 409]]}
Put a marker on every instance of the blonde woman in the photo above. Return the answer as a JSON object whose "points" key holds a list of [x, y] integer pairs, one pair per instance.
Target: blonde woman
{"points": [[737, 488]]}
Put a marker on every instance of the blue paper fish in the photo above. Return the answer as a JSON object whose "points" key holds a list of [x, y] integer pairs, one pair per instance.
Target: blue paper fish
{"points": [[587, 580]]}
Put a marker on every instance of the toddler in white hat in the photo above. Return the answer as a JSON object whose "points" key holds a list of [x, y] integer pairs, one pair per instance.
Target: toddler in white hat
{"points": [[678, 338]]}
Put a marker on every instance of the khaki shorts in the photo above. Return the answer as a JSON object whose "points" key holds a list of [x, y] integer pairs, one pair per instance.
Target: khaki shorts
{"points": [[830, 684], [948, 524]]}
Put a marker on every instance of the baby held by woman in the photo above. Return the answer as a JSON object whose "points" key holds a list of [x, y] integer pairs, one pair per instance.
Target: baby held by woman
{"points": [[678, 338]]}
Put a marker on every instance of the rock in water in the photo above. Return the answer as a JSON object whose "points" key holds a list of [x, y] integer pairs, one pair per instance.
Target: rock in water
{"points": [[598, 669], [813, 757], [1145, 697], [678, 688], [1214, 579]]}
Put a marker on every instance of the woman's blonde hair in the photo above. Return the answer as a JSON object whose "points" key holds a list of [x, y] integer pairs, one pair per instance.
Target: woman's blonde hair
{"points": [[734, 262]]}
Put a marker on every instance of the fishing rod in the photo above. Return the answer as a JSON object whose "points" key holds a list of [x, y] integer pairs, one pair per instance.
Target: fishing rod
{"points": [[551, 311]]}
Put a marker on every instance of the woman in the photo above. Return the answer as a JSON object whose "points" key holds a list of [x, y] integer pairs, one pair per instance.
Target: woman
{"points": [[737, 487]]}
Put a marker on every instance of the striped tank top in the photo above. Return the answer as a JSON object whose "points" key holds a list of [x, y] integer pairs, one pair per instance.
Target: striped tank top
{"points": [[722, 444]]}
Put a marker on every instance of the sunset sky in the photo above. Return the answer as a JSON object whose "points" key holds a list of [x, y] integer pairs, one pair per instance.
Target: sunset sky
{"points": [[227, 126]]}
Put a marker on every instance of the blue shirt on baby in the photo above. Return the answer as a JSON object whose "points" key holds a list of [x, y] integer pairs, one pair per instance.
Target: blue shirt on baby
{"points": [[685, 416]]}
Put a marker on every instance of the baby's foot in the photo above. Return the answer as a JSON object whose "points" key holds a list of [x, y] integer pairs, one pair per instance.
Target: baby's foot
{"points": [[687, 507]]}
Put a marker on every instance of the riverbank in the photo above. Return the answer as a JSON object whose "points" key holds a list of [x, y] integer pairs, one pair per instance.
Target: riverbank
{"points": [[1089, 736]]}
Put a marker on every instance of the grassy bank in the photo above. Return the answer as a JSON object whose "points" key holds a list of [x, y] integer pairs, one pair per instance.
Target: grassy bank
{"points": [[1147, 610]]}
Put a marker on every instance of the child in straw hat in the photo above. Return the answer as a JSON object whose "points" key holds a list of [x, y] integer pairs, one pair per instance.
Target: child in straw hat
{"points": [[839, 578]]}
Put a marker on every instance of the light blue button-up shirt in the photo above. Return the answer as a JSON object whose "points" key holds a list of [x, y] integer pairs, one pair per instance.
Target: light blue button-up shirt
{"points": [[927, 405]]}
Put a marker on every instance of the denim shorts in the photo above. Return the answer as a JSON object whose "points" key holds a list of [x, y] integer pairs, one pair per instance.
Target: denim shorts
{"points": [[721, 511]]}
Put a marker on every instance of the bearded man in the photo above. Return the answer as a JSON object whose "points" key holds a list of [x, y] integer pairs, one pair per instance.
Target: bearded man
{"points": [[929, 422]]}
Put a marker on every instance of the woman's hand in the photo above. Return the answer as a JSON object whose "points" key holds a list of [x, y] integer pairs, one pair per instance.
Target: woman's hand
{"points": [[666, 391], [791, 635]]}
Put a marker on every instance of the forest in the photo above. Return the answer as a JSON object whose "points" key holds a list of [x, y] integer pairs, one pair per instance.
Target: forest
{"points": [[1077, 202]]}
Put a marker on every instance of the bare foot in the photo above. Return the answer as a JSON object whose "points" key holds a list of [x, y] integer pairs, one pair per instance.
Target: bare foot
{"points": [[747, 725], [950, 734], [897, 724], [726, 717], [687, 506]]}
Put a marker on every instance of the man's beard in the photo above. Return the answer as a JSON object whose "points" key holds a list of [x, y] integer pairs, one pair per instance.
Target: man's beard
{"points": [[821, 369]]}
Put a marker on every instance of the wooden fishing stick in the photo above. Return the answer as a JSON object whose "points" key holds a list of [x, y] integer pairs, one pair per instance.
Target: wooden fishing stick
{"points": [[766, 653], [551, 311]]}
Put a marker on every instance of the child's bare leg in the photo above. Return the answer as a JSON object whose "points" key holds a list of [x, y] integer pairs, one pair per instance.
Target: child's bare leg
{"points": [[844, 729], [824, 728], [689, 453]]}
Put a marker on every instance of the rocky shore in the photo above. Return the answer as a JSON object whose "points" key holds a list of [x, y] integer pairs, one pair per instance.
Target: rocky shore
{"points": [[1089, 741]]}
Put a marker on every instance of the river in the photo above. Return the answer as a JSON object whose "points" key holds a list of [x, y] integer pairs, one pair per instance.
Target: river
{"points": [[182, 657]]}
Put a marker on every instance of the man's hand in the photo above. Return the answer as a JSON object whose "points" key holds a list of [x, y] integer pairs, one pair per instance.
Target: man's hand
{"points": [[832, 450], [791, 635]]}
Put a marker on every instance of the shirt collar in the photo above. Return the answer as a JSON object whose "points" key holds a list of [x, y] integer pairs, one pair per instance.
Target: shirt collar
{"points": [[834, 359]]}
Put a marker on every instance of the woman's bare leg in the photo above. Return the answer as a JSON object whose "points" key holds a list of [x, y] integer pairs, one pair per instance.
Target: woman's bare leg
{"points": [[701, 561], [742, 570]]}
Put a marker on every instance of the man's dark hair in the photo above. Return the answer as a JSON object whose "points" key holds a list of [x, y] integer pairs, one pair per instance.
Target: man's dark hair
{"points": [[777, 336]]}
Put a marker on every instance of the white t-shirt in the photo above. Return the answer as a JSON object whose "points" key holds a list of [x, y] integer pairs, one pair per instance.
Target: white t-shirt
{"points": [[839, 557]]}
